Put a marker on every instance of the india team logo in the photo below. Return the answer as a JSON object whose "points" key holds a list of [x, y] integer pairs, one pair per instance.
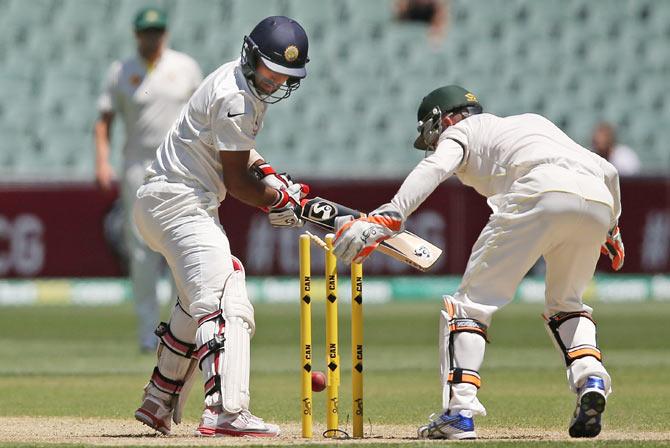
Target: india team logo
{"points": [[291, 53]]}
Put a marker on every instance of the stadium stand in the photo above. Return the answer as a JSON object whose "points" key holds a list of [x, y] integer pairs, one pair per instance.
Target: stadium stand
{"points": [[576, 61]]}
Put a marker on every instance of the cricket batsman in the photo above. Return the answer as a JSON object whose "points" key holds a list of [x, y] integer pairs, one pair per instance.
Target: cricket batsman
{"points": [[209, 153], [550, 198]]}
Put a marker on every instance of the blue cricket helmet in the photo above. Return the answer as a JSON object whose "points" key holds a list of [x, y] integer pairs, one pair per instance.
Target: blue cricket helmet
{"points": [[281, 43]]}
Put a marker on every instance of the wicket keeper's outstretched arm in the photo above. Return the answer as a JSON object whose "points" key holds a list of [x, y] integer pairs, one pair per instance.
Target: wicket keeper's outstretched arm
{"points": [[389, 219]]}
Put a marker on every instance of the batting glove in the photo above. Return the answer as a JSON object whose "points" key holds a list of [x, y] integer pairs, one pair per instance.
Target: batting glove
{"points": [[285, 211], [356, 239], [266, 174], [613, 248]]}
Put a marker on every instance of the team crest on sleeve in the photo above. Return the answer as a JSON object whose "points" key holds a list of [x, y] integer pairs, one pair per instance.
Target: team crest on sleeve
{"points": [[291, 53]]}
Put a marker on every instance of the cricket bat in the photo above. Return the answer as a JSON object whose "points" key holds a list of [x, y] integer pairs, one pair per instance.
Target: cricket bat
{"points": [[406, 246]]}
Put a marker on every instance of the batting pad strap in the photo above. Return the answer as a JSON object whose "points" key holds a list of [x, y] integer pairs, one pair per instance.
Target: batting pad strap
{"points": [[165, 384], [212, 346], [173, 344], [458, 375], [582, 351], [213, 385], [467, 325]]}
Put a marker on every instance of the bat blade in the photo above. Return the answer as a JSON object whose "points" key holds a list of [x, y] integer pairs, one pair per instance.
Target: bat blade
{"points": [[406, 246]]}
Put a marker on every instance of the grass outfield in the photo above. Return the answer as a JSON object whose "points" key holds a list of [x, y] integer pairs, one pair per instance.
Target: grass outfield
{"points": [[76, 362]]}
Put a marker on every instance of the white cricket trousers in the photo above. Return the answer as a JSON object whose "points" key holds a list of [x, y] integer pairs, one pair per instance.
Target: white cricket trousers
{"points": [[564, 228], [567, 231], [182, 223]]}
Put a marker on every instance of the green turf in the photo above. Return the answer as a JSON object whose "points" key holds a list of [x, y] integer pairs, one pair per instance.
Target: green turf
{"points": [[83, 362]]}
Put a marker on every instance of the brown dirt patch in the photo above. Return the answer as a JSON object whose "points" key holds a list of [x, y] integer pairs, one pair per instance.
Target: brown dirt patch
{"points": [[127, 432]]}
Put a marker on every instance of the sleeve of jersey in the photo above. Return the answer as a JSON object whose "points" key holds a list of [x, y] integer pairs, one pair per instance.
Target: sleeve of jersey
{"points": [[427, 175], [232, 126], [107, 100]]}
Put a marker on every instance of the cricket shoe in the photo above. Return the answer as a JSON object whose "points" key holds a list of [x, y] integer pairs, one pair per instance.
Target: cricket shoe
{"points": [[215, 423], [155, 413], [453, 427], [590, 406]]}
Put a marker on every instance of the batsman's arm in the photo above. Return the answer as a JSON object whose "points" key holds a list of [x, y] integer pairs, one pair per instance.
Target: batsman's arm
{"points": [[255, 159], [241, 184]]}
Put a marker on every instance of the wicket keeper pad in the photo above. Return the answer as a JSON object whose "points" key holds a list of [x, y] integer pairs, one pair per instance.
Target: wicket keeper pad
{"points": [[574, 335], [462, 344]]}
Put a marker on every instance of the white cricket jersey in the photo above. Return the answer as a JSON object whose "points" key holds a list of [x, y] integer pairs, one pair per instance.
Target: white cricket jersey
{"points": [[148, 101], [222, 115], [525, 154]]}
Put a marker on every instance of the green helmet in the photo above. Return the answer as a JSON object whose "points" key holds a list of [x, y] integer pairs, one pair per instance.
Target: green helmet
{"points": [[437, 103]]}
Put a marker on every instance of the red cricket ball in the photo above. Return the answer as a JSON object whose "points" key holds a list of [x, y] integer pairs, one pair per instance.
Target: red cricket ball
{"points": [[318, 381]]}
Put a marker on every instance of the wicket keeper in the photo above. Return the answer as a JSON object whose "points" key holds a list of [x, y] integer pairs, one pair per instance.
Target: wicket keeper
{"points": [[550, 198]]}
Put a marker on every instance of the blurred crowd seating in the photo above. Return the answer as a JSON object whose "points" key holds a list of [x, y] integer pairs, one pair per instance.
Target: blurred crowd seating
{"points": [[575, 61]]}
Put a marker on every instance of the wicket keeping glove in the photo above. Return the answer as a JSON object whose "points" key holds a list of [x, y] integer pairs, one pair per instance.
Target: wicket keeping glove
{"points": [[613, 248], [284, 212], [356, 239]]}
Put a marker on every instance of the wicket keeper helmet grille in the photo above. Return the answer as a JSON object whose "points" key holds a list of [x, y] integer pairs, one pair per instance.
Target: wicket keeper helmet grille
{"points": [[281, 43], [437, 104]]}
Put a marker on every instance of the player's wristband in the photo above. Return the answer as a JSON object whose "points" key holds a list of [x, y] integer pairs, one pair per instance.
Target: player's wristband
{"points": [[262, 170]]}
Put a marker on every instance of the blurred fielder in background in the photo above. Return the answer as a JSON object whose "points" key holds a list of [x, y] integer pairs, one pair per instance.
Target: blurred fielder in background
{"points": [[148, 90], [605, 144], [210, 152], [550, 198]]}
